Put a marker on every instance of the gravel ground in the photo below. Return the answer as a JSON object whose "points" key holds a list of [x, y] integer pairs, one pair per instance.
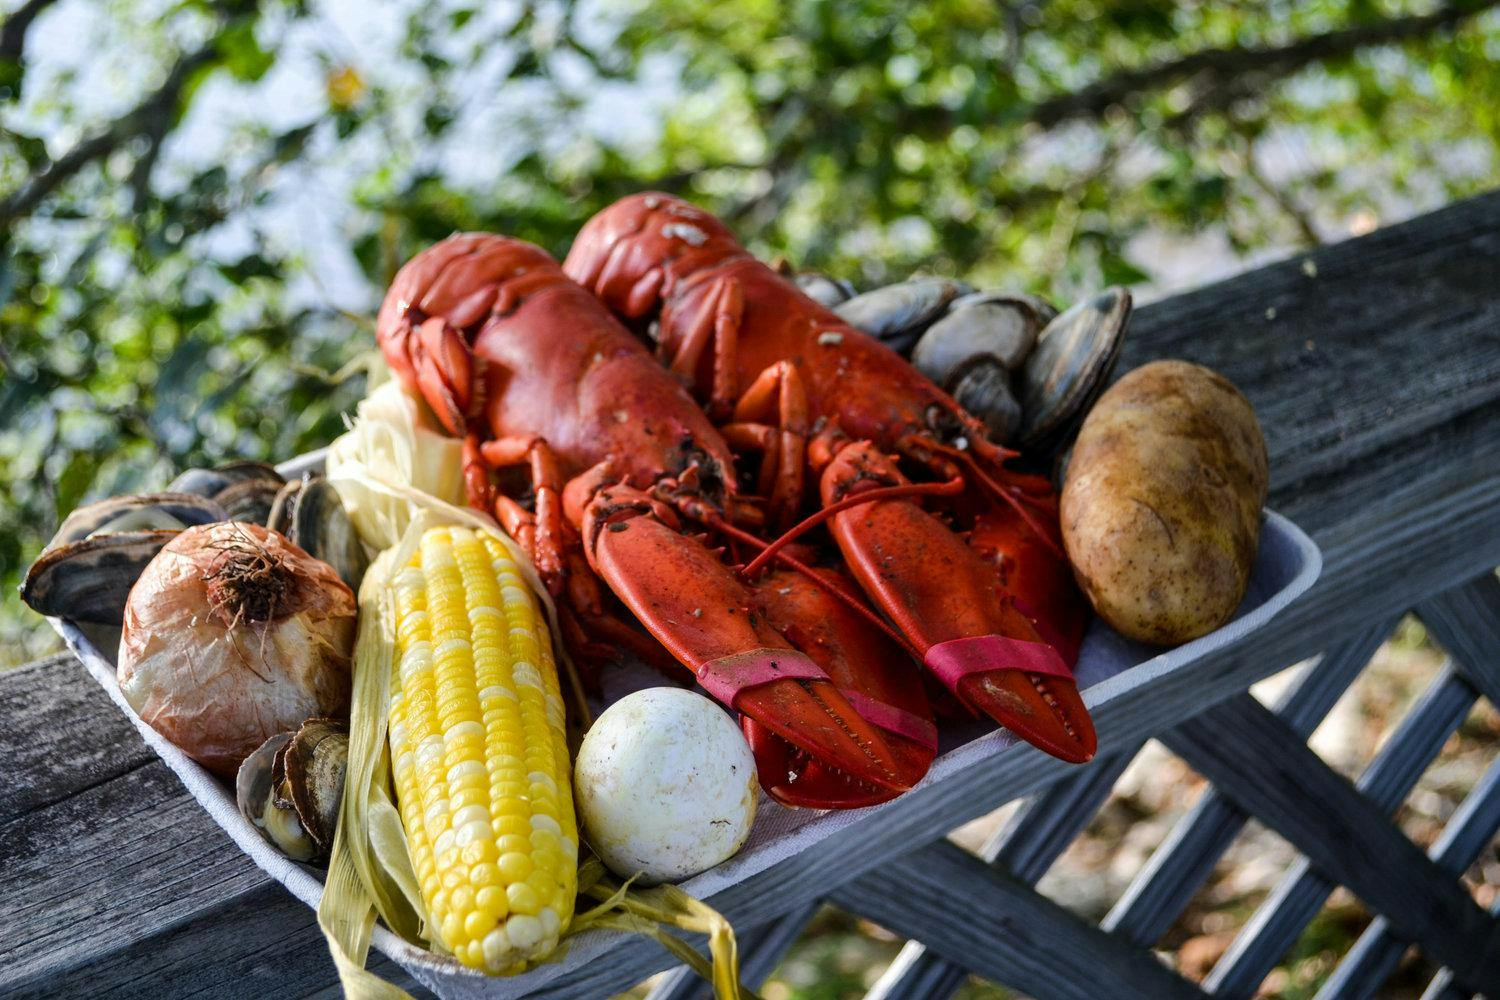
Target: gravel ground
{"points": [[841, 957]]}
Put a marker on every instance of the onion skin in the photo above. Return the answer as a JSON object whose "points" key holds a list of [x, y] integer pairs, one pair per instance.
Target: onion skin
{"points": [[219, 690]]}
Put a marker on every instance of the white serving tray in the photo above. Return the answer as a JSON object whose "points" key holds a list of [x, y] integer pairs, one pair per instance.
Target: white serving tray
{"points": [[1287, 565]]}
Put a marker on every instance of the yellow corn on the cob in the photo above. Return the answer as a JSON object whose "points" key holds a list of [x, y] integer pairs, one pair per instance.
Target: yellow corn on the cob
{"points": [[479, 754]]}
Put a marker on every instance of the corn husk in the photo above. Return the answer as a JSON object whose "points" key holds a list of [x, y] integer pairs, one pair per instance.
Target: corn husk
{"points": [[370, 873]]}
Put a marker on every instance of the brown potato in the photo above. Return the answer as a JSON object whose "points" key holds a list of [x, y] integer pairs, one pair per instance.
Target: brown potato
{"points": [[1161, 505]]}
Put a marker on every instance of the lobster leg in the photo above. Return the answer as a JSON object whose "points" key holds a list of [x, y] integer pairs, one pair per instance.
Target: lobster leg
{"points": [[715, 328], [942, 596], [775, 408], [546, 482], [695, 607], [875, 676]]}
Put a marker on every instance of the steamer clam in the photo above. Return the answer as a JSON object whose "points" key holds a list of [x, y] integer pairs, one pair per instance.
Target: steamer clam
{"points": [[246, 490], [310, 514], [86, 571], [1009, 358], [291, 788]]}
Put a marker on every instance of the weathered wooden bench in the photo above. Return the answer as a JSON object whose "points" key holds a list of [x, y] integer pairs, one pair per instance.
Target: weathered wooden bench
{"points": [[1375, 367]]}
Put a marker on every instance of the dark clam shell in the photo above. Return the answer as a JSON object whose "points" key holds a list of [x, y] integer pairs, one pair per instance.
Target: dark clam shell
{"points": [[250, 500], [89, 580], [311, 515], [138, 512], [211, 482], [1045, 311], [309, 772], [292, 788], [822, 289], [1002, 330], [984, 389], [898, 314], [1069, 368]]}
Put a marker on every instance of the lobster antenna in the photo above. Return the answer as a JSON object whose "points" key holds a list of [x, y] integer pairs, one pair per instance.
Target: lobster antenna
{"points": [[835, 589], [950, 488], [1007, 495]]}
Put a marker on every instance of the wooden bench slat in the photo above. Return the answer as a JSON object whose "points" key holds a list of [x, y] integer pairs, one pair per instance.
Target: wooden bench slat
{"points": [[1263, 765], [960, 908], [1466, 622], [1025, 848], [1279, 921], [1378, 951], [1162, 890]]}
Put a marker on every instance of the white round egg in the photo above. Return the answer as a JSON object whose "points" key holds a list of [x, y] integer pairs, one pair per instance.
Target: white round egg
{"points": [[665, 785]]}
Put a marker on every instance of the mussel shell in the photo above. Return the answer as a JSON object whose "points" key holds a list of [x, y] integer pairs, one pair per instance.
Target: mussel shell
{"points": [[897, 314], [250, 500], [984, 389], [309, 773], [1003, 331], [211, 482], [140, 511], [311, 515], [89, 580], [1069, 368], [822, 289]]}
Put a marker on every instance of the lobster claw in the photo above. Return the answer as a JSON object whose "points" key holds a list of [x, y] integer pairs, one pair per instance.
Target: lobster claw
{"points": [[695, 607], [875, 675], [943, 596]]}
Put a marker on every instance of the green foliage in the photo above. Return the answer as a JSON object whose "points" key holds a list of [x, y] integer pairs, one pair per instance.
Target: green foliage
{"points": [[156, 314]]}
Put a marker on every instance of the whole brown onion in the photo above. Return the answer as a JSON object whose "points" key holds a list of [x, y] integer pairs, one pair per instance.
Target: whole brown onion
{"points": [[233, 634]]}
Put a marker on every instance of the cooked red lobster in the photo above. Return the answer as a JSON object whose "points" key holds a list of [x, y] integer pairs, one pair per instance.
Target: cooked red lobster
{"points": [[991, 609], [539, 379]]}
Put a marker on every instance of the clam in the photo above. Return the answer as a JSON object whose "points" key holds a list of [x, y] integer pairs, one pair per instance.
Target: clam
{"points": [[211, 482], [86, 571], [822, 289], [90, 579], [1046, 312], [291, 788], [898, 314], [138, 511], [992, 326], [984, 389], [1072, 361], [251, 499], [310, 514]]}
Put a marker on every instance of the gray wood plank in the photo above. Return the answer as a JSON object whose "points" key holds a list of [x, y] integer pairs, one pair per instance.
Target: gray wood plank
{"points": [[1025, 848], [1162, 890], [1383, 452], [1379, 949], [975, 915], [1466, 622], [1263, 765], [1387, 781]]}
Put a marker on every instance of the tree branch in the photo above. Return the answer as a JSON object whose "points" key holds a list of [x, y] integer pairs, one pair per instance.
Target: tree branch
{"points": [[1211, 68], [145, 119], [13, 31]]}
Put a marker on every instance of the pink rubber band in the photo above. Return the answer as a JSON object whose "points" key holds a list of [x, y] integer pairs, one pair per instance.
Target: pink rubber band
{"points": [[956, 659], [727, 676], [892, 719]]}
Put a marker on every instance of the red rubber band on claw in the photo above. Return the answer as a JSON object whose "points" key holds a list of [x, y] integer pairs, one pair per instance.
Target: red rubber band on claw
{"points": [[956, 659], [892, 719], [727, 676]]}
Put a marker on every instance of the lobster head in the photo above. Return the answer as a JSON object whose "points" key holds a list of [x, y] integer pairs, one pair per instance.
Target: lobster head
{"points": [[633, 253], [435, 308]]}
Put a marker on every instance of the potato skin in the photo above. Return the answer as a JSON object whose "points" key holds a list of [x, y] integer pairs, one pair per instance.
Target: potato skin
{"points": [[1161, 504]]}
